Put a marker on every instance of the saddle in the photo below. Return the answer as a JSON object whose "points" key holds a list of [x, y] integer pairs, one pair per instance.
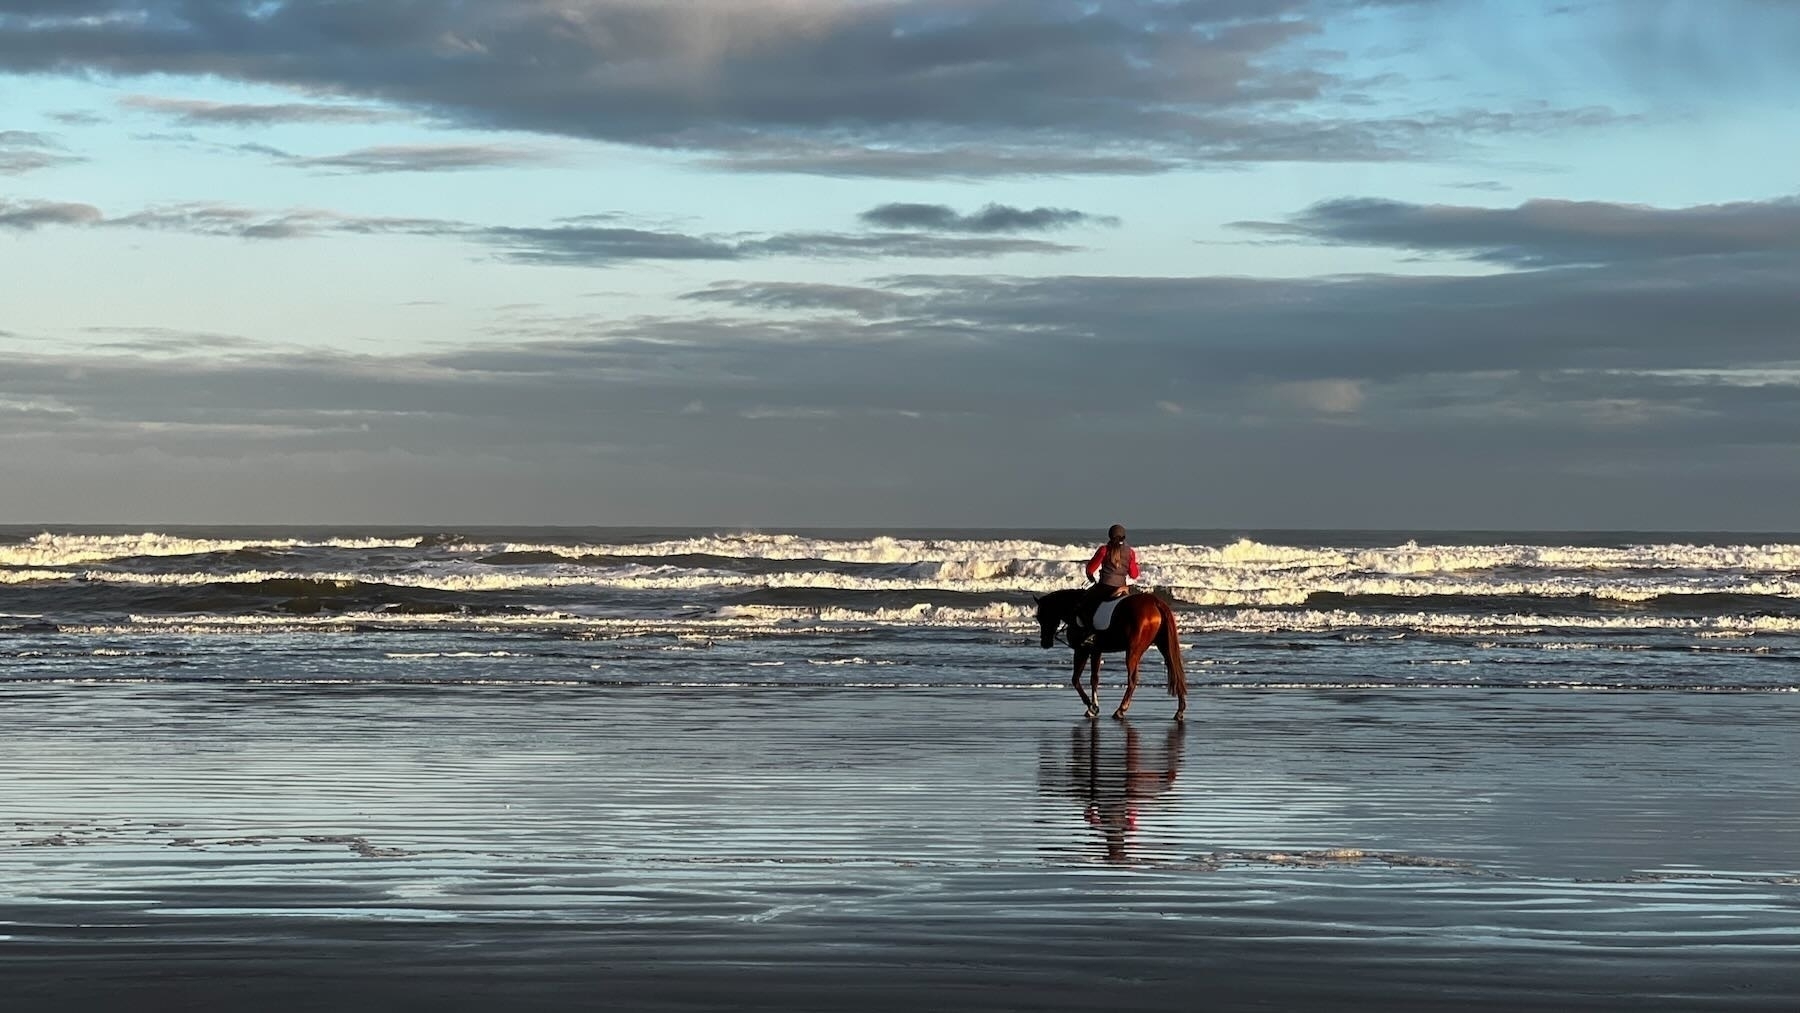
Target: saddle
{"points": [[1098, 616]]}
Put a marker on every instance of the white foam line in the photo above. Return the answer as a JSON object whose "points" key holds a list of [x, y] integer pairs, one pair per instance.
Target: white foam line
{"points": [[385, 684], [475, 578], [1244, 554], [749, 620], [48, 549], [1002, 559], [420, 655]]}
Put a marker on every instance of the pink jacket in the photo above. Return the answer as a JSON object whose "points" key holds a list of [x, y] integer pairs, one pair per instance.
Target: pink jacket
{"points": [[1131, 563]]}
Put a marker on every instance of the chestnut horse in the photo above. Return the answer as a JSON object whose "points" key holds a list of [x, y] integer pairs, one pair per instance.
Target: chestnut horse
{"points": [[1139, 621]]}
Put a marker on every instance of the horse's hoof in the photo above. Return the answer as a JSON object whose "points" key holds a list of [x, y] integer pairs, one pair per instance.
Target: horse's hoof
{"points": [[1093, 712], [1181, 715], [1119, 715]]}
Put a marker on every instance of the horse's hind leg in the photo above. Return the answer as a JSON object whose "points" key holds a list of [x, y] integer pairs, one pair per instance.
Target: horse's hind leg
{"points": [[1170, 648], [1134, 656], [1180, 691], [1092, 703]]}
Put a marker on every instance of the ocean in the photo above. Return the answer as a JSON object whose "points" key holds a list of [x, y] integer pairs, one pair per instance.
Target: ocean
{"points": [[690, 770], [1300, 610]]}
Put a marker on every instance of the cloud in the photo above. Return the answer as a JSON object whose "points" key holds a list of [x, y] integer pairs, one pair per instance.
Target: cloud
{"points": [[762, 412], [164, 341], [24, 216], [587, 241], [1182, 140], [1426, 397], [1213, 333], [945, 161], [55, 8], [592, 246], [23, 151], [78, 118], [424, 158], [201, 113], [569, 245], [246, 223], [991, 218], [806, 296], [394, 157], [900, 88], [858, 246], [1328, 397], [1549, 232]]}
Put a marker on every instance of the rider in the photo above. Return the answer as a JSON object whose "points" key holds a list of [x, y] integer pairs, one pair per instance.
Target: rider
{"points": [[1116, 564]]}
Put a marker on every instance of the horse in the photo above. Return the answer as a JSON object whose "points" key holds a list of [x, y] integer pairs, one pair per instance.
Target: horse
{"points": [[1139, 621]]}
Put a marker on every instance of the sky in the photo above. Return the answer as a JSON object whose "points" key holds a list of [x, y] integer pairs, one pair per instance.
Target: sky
{"points": [[1398, 264]]}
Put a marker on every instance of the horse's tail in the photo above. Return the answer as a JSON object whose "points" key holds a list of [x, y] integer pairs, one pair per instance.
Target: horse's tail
{"points": [[1169, 642]]}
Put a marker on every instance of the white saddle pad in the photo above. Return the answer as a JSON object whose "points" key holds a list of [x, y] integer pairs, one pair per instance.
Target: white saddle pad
{"points": [[1103, 614]]}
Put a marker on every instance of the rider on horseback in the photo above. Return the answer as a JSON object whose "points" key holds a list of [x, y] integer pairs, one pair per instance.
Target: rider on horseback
{"points": [[1117, 566]]}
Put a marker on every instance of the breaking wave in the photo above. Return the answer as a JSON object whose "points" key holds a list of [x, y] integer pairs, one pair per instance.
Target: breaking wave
{"points": [[958, 609], [964, 558], [1190, 586]]}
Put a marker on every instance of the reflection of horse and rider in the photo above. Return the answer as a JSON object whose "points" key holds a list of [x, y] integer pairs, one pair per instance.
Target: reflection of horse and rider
{"points": [[1138, 621], [1113, 777]]}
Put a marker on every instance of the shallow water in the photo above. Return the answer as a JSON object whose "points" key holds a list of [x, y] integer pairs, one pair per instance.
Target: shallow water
{"points": [[986, 848]]}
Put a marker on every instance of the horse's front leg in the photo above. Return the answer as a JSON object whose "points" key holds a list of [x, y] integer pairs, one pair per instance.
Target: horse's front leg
{"points": [[1093, 687], [1092, 703]]}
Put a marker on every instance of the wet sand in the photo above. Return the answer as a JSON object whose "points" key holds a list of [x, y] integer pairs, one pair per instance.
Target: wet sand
{"points": [[178, 847]]}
